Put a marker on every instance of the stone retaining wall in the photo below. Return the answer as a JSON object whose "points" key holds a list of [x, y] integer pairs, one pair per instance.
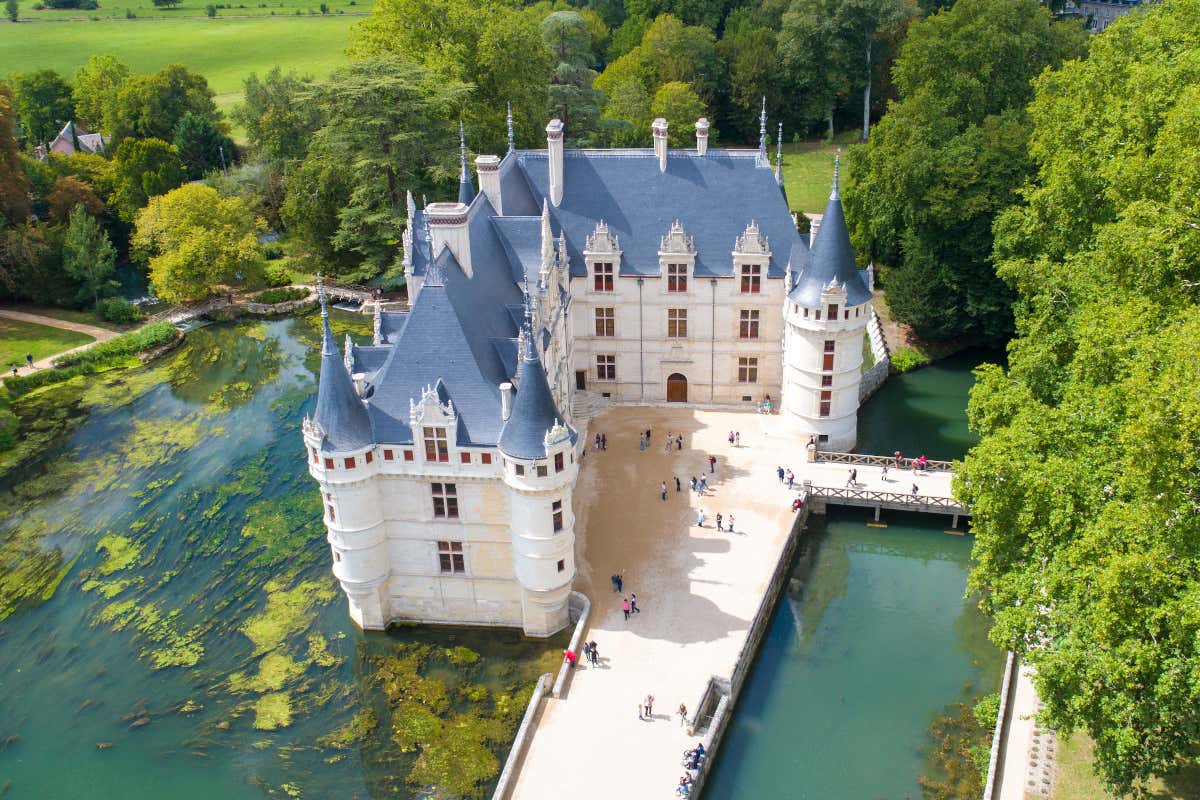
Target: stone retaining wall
{"points": [[524, 734], [579, 607], [995, 760]]}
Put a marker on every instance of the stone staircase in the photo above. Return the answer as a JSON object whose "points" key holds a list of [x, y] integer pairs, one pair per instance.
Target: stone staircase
{"points": [[585, 404]]}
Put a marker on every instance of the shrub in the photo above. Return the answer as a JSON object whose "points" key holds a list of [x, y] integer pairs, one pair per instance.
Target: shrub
{"points": [[906, 358], [39, 6], [281, 295], [324, 8], [211, 10], [277, 275], [272, 251], [129, 14], [113, 351], [114, 309]]}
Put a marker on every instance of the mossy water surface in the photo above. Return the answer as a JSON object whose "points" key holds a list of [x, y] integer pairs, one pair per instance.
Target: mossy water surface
{"points": [[168, 623]]}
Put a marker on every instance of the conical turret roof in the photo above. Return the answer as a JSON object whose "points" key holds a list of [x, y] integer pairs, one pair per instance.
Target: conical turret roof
{"points": [[340, 412], [533, 412], [832, 259]]}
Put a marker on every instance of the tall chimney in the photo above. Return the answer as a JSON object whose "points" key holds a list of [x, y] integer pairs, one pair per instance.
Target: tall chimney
{"points": [[488, 170], [554, 149], [659, 129], [701, 136], [506, 398]]}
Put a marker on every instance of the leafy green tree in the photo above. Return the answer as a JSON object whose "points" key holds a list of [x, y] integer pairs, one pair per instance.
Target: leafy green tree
{"points": [[88, 256], [166, 3], [700, 13], [150, 106], [97, 84], [572, 96], [680, 106], [12, 10], [315, 192], [144, 168], [14, 186], [277, 124], [948, 157], [201, 146], [1083, 489], [196, 241], [750, 56], [43, 104]]}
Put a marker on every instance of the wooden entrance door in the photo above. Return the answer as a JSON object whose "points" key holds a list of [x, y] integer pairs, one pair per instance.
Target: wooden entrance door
{"points": [[581, 379], [676, 388]]}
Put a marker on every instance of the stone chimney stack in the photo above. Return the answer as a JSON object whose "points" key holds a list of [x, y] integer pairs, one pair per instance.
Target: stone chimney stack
{"points": [[506, 398], [554, 149], [488, 170], [659, 129], [701, 136]]}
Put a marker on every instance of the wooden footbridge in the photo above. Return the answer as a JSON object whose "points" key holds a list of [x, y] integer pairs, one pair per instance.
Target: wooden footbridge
{"points": [[881, 482]]}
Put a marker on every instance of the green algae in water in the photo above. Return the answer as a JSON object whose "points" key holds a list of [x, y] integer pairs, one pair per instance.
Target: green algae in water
{"points": [[288, 612], [120, 553], [273, 711]]}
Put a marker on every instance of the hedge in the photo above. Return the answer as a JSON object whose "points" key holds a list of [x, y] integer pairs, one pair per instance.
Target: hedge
{"points": [[113, 353], [281, 295]]}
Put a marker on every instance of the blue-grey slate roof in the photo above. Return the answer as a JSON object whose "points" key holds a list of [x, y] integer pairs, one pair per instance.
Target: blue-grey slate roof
{"points": [[521, 238], [533, 411], [339, 412], [714, 196], [832, 257]]}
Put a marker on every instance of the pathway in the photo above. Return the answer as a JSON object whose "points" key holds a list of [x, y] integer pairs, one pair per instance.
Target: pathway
{"points": [[1019, 732], [97, 333]]}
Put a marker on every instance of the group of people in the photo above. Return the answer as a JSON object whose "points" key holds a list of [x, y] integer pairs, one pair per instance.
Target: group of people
{"points": [[601, 441], [691, 761], [723, 524], [590, 652]]}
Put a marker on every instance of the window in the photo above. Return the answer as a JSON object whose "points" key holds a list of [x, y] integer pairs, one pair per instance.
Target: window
{"points": [[370, 457], [806, 312], [332, 516], [603, 272], [436, 448], [519, 469], [751, 278], [833, 309], [389, 455], [408, 455], [445, 500], [542, 471], [817, 313], [465, 458], [676, 323], [562, 565], [677, 277], [337, 556], [329, 463], [606, 368], [558, 518], [747, 370], [827, 359], [486, 458], [350, 462], [450, 557], [827, 380], [315, 460], [748, 327], [826, 401], [606, 322], [558, 462]]}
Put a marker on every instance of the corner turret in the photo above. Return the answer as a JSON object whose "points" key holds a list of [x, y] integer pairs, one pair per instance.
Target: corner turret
{"points": [[339, 414]]}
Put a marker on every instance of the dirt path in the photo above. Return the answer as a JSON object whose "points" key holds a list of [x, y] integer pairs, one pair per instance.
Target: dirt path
{"points": [[97, 333]]}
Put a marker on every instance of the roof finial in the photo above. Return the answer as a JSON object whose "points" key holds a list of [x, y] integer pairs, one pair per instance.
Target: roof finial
{"points": [[779, 156], [462, 146], [837, 162], [327, 344], [762, 133], [321, 296], [512, 145], [466, 190]]}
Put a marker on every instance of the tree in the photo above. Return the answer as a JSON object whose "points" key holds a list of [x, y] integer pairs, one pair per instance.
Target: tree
{"points": [[315, 192], [97, 84], [144, 168], [572, 97], [277, 125], [70, 193], [166, 3], [201, 146], [753, 65], [680, 106], [12, 10], [150, 106], [88, 256], [195, 241], [1083, 488], [14, 186], [43, 104], [706, 13], [947, 158]]}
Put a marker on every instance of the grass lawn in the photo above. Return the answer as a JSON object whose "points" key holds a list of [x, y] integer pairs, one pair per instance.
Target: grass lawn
{"points": [[808, 171], [1073, 778], [19, 338], [71, 315], [225, 51], [145, 9]]}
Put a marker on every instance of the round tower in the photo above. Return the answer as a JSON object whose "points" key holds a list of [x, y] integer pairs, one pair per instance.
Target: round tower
{"points": [[342, 459], [825, 319], [539, 471]]}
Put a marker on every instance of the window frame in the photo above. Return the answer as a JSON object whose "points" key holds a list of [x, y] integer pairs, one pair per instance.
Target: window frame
{"points": [[606, 367], [606, 322], [747, 369], [751, 279], [445, 500], [749, 320], [452, 559], [677, 278], [437, 445], [603, 276], [556, 515], [677, 323]]}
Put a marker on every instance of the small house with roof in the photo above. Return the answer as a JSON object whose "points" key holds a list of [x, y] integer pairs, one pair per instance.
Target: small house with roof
{"points": [[73, 138], [446, 448]]}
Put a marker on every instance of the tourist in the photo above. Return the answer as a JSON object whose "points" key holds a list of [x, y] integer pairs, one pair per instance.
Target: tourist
{"points": [[898, 459], [737, 438], [593, 653], [720, 524], [678, 485], [797, 504], [649, 706], [604, 441], [633, 609], [712, 464], [731, 438], [29, 359], [924, 462], [625, 607], [682, 715], [641, 444], [692, 483], [790, 478], [884, 475], [779, 472], [569, 657], [703, 485], [700, 518], [731, 523], [850, 479], [14, 370], [597, 441], [613, 578], [664, 491], [915, 490], [620, 582]]}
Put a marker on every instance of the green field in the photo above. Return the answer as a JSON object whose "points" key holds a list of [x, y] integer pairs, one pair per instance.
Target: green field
{"points": [[143, 9], [225, 51], [18, 338], [808, 171]]}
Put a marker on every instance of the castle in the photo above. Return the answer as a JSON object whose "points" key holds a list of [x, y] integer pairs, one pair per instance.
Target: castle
{"points": [[447, 449]]}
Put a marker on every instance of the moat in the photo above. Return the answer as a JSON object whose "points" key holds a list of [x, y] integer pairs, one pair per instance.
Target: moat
{"points": [[197, 645]]}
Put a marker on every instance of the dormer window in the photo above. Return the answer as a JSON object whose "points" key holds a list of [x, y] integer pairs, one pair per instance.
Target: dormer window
{"points": [[603, 276], [436, 447], [751, 278], [833, 311], [677, 277]]}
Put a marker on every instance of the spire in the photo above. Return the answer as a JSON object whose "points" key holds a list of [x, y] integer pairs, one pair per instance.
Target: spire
{"points": [[377, 339], [837, 163], [466, 190], [547, 237], [534, 413], [512, 145], [762, 134], [831, 264], [779, 156], [339, 412]]}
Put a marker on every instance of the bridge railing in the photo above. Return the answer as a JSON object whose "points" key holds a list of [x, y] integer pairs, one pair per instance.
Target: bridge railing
{"points": [[829, 457], [872, 497]]}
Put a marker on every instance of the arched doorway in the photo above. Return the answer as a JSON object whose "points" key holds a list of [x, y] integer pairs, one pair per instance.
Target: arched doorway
{"points": [[676, 388]]}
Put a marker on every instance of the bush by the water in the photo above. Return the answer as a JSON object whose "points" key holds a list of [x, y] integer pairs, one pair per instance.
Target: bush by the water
{"points": [[113, 353], [122, 312], [282, 295], [906, 358], [277, 275]]}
